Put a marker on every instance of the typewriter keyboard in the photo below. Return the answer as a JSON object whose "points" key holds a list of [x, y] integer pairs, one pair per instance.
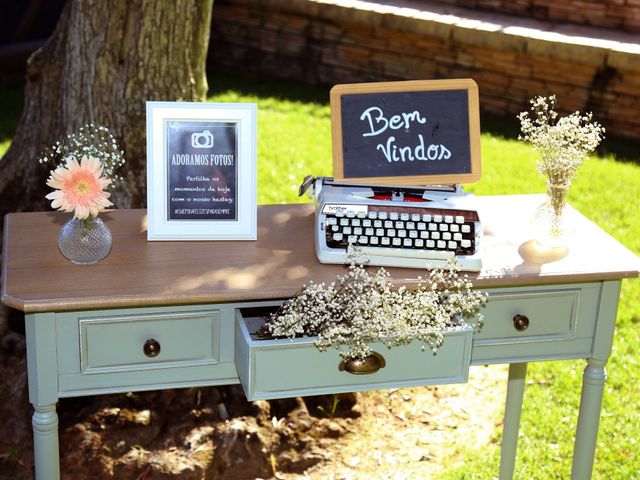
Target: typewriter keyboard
{"points": [[402, 228]]}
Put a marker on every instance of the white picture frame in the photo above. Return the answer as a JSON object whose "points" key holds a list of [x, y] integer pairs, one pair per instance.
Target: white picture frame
{"points": [[201, 171]]}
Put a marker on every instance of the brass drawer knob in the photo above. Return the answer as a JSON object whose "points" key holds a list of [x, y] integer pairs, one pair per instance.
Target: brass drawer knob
{"points": [[363, 366], [520, 322], [151, 348]]}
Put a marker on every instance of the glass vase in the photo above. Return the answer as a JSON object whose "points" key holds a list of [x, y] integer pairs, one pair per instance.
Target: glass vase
{"points": [[85, 241], [551, 225]]}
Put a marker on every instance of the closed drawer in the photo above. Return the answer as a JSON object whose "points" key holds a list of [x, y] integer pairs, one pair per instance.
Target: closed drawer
{"points": [[561, 324], [285, 368], [116, 344], [542, 314]]}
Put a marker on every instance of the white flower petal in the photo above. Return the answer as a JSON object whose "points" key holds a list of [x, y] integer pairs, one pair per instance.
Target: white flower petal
{"points": [[91, 164], [72, 164], [53, 195], [82, 212]]}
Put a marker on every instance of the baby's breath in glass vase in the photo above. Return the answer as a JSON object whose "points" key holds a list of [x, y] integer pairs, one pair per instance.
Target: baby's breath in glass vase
{"points": [[552, 226], [563, 144]]}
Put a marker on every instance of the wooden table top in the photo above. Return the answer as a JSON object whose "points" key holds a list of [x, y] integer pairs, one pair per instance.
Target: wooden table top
{"points": [[37, 278]]}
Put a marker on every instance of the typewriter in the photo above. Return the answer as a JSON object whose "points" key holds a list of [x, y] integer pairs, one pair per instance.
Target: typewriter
{"points": [[395, 226], [400, 152]]}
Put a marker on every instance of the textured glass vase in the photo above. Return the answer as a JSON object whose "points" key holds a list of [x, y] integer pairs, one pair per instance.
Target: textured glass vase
{"points": [[551, 226], [85, 241]]}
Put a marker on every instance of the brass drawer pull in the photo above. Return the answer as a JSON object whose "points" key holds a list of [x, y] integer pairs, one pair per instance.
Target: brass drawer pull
{"points": [[151, 348], [520, 322], [363, 366]]}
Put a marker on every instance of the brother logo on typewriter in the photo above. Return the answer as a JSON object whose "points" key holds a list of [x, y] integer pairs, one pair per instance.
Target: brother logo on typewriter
{"points": [[202, 139]]}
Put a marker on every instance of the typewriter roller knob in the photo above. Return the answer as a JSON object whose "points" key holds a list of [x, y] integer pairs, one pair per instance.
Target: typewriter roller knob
{"points": [[306, 183], [363, 366], [520, 322]]}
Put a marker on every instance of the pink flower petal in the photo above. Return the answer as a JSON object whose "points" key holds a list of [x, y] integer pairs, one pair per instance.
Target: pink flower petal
{"points": [[79, 187]]}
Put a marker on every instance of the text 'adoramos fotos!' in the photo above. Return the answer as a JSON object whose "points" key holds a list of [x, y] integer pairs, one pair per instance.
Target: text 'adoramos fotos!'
{"points": [[203, 159]]}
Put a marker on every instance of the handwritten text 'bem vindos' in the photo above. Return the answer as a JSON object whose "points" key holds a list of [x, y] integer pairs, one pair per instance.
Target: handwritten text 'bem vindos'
{"points": [[378, 124]]}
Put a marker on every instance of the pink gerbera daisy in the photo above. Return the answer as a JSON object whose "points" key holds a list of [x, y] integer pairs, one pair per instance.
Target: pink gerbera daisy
{"points": [[79, 188]]}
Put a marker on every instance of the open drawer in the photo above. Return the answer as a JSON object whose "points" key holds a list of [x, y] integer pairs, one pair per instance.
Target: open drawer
{"points": [[286, 368]]}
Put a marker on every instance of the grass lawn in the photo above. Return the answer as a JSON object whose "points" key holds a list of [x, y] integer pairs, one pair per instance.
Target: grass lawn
{"points": [[294, 140]]}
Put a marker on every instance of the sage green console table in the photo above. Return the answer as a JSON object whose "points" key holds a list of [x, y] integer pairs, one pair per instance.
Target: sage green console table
{"points": [[156, 315]]}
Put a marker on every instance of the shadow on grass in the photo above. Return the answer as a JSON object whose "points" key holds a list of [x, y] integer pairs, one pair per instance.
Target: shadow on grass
{"points": [[622, 149], [11, 104], [221, 82], [12, 95]]}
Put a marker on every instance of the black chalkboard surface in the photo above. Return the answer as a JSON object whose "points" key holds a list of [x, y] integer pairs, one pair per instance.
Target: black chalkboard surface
{"points": [[406, 133], [202, 169]]}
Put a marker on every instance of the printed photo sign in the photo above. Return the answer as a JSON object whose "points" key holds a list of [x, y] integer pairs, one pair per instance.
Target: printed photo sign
{"points": [[201, 171], [408, 133]]}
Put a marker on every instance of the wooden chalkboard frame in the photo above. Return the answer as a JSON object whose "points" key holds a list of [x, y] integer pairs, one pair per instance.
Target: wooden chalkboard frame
{"points": [[408, 86]]}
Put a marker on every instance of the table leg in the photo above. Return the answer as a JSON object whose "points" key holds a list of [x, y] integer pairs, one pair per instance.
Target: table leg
{"points": [[593, 381], [45, 442], [42, 364], [589, 419], [512, 411]]}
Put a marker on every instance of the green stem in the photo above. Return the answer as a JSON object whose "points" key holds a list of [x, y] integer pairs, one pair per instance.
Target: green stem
{"points": [[88, 222]]}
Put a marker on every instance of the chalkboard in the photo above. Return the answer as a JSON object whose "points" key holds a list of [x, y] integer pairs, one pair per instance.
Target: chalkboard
{"points": [[202, 170], [406, 133]]}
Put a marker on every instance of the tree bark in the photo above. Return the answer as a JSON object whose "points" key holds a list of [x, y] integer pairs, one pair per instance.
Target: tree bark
{"points": [[103, 61]]}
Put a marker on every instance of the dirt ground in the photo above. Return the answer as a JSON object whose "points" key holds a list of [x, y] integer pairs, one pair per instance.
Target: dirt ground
{"points": [[413, 433], [214, 433]]}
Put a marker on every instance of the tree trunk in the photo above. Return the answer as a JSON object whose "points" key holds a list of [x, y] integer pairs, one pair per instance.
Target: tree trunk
{"points": [[103, 61]]}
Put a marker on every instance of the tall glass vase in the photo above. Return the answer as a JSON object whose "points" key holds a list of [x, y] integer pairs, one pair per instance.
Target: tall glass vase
{"points": [[551, 225], [85, 241]]}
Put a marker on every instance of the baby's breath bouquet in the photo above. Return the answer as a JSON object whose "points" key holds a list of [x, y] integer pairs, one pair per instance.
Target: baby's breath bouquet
{"points": [[361, 308], [91, 140], [563, 145], [84, 166]]}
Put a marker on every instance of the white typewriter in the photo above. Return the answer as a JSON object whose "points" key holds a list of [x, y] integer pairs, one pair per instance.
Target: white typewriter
{"points": [[395, 226], [400, 152]]}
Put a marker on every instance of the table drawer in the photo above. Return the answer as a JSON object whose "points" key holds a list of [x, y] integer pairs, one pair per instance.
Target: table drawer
{"points": [[285, 368], [529, 316], [147, 341]]}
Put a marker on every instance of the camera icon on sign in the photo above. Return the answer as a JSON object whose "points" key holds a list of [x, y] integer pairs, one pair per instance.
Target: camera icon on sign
{"points": [[202, 139]]}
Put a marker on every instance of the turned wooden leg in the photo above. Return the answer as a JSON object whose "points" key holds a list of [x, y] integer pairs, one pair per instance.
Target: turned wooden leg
{"points": [[593, 381], [512, 411], [45, 442], [42, 364]]}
